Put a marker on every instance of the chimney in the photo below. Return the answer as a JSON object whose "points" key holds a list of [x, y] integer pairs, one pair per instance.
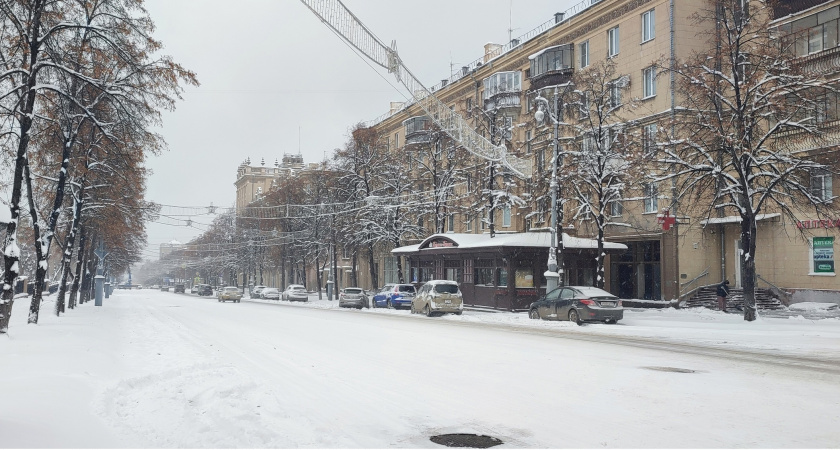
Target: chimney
{"points": [[514, 43], [396, 106], [444, 82], [558, 17], [491, 51], [464, 71]]}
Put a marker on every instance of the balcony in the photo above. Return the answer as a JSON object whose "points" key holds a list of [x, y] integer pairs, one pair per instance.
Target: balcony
{"points": [[551, 66], [418, 130], [503, 90]]}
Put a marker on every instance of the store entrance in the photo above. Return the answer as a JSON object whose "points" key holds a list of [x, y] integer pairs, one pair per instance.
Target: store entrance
{"points": [[637, 272]]}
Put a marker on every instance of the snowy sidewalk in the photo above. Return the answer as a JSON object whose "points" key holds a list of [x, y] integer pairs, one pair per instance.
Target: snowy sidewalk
{"points": [[790, 336]]}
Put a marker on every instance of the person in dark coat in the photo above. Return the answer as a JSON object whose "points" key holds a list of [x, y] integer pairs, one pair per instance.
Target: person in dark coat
{"points": [[722, 293]]}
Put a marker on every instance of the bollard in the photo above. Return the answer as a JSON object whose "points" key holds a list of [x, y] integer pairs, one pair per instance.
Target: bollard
{"points": [[107, 290], [99, 281]]}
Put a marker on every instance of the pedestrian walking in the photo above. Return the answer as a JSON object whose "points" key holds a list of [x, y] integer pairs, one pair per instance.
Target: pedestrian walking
{"points": [[722, 293]]}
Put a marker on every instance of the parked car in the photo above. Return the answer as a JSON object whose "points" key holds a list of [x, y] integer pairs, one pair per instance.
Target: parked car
{"points": [[394, 296], [578, 304], [271, 294], [353, 297], [164, 288], [438, 297], [257, 290], [295, 292], [203, 289], [229, 293], [180, 288]]}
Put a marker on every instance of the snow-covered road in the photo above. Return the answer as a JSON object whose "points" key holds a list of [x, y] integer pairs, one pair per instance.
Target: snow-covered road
{"points": [[157, 369]]}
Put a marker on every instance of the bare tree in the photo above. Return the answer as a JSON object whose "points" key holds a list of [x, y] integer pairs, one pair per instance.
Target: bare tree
{"points": [[751, 136]]}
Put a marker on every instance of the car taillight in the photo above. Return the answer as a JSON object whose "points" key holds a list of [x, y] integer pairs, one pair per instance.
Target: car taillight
{"points": [[619, 303], [587, 302]]}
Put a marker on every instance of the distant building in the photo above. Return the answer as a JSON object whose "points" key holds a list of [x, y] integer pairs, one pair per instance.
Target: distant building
{"points": [[252, 182], [169, 247]]}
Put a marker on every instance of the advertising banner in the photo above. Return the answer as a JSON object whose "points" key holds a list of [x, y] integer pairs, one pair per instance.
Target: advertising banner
{"points": [[823, 255]]}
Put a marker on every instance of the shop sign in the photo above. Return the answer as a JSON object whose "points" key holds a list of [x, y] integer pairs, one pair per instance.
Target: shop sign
{"points": [[823, 255], [823, 223], [441, 243]]}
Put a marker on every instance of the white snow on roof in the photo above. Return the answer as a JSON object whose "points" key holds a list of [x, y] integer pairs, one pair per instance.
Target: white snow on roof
{"points": [[736, 219], [174, 242], [531, 239], [545, 50]]}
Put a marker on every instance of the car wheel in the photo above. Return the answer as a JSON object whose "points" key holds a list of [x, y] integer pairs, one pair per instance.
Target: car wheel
{"points": [[534, 314], [428, 311], [574, 317], [220, 300], [458, 313]]}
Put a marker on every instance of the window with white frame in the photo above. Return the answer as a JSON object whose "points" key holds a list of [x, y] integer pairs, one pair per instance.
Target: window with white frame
{"points": [[588, 144], [612, 42], [506, 216], [821, 184], [396, 140], [615, 93], [583, 50], [649, 82], [649, 138], [502, 82], [616, 208], [822, 255], [648, 26], [469, 224], [651, 194]]}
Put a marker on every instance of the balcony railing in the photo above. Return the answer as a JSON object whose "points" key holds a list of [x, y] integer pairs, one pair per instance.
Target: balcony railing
{"points": [[503, 100]]}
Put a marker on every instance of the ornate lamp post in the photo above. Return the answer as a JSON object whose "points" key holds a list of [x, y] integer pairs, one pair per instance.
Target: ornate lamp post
{"points": [[554, 274]]}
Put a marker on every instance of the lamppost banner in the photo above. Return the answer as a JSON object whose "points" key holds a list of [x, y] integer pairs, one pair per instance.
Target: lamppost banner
{"points": [[823, 255]]}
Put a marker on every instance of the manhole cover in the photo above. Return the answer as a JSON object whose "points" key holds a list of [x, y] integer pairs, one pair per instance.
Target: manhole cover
{"points": [[669, 369], [466, 440]]}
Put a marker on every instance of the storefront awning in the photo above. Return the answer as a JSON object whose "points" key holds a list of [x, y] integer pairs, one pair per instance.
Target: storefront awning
{"points": [[522, 240]]}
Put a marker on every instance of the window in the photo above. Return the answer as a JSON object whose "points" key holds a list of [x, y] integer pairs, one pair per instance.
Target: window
{"points": [[506, 216], [584, 105], [540, 157], [484, 271], [648, 26], [583, 50], [588, 144], [821, 186], [615, 93], [616, 208], [469, 107], [345, 253], [612, 42], [469, 224], [822, 255], [649, 139], [396, 140], [814, 33], [450, 223], [502, 82], [649, 82], [651, 198], [503, 276], [528, 142]]}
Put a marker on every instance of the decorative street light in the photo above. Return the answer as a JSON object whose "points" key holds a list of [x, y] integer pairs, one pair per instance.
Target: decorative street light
{"points": [[554, 274]]}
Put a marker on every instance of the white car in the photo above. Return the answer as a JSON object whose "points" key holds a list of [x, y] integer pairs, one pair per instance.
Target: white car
{"points": [[271, 294], [295, 293]]}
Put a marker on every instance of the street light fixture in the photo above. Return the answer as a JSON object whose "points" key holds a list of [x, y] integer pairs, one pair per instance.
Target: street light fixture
{"points": [[554, 274]]}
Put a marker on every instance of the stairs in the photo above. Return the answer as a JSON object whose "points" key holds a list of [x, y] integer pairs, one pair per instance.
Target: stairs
{"points": [[706, 296]]}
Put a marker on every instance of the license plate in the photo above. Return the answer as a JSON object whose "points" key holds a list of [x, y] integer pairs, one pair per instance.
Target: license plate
{"points": [[607, 303], [447, 302]]}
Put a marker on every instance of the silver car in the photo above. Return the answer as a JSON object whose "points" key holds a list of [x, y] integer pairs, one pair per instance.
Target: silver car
{"points": [[353, 297], [271, 294], [438, 297], [295, 293]]}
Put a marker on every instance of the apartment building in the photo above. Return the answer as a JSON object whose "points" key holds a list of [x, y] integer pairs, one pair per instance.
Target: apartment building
{"points": [[498, 94]]}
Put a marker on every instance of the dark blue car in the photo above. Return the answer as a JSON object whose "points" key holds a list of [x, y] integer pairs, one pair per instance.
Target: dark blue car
{"points": [[394, 296]]}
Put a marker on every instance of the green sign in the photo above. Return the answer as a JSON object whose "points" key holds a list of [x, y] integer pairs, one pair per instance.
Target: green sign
{"points": [[823, 255]]}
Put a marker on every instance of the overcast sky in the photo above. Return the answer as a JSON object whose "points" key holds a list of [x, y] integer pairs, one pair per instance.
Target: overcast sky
{"points": [[275, 80]]}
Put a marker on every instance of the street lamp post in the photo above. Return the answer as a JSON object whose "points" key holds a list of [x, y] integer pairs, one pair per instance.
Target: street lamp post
{"points": [[554, 274]]}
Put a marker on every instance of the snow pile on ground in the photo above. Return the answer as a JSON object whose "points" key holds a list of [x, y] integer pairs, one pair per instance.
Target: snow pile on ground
{"points": [[813, 306]]}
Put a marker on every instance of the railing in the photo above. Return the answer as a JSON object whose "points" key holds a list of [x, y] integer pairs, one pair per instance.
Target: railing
{"points": [[779, 292], [471, 67], [551, 23], [691, 292]]}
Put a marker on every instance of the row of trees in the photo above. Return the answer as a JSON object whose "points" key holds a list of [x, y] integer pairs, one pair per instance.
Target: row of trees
{"points": [[81, 87]]}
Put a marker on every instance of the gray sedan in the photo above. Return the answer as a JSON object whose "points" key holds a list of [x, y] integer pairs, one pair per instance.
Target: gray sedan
{"points": [[578, 304], [353, 297]]}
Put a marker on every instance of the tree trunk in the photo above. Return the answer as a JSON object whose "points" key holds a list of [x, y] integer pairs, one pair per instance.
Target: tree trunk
{"points": [[354, 274], [80, 256], [40, 246], [748, 237], [599, 259], [374, 275]]}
